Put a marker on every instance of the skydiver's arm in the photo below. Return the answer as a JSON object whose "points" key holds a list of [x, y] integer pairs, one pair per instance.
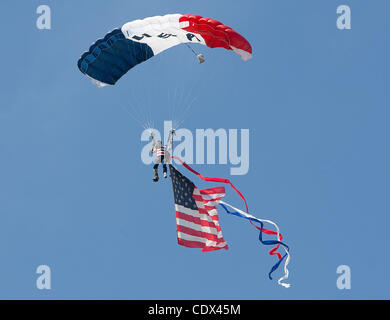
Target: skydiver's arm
{"points": [[170, 139], [168, 146], [153, 144]]}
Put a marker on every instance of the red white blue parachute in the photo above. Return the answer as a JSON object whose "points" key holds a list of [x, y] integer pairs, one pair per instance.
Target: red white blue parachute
{"points": [[108, 59]]}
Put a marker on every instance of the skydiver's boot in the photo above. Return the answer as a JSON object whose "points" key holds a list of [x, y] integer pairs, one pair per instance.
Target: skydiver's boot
{"points": [[155, 179], [165, 170]]}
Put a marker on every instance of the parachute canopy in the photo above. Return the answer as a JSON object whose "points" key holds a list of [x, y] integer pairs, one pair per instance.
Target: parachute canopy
{"points": [[108, 59]]}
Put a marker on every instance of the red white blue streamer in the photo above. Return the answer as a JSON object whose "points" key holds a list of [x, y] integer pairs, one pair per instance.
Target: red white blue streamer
{"points": [[285, 257]]}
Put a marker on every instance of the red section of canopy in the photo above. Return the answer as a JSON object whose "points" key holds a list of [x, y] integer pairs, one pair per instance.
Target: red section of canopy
{"points": [[215, 34]]}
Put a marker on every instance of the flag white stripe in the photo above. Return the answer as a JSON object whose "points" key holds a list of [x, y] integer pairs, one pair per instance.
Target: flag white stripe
{"points": [[212, 203], [212, 196], [213, 212], [198, 227], [193, 213]]}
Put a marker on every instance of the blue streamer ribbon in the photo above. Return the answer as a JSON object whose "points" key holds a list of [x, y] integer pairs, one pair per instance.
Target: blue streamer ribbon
{"points": [[265, 242]]}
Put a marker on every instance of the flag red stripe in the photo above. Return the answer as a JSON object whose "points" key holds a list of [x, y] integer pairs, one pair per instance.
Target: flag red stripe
{"points": [[197, 244], [213, 190], [200, 234], [196, 220], [190, 244], [201, 199], [211, 248]]}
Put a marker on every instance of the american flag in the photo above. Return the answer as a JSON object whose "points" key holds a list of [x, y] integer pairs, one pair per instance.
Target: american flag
{"points": [[196, 214]]}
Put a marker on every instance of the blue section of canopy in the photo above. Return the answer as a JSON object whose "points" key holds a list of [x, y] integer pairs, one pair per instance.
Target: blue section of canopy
{"points": [[108, 59]]}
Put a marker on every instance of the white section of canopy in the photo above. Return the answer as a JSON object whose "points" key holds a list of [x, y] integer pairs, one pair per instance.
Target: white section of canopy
{"points": [[162, 32]]}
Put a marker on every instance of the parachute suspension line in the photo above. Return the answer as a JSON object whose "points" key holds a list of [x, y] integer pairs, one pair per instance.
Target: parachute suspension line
{"points": [[189, 47], [196, 85], [200, 56], [144, 106], [148, 109], [139, 111], [179, 101], [175, 104], [186, 112], [171, 103], [131, 115], [188, 100]]}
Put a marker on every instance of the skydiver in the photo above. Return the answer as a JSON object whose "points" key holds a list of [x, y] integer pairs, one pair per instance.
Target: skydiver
{"points": [[162, 154]]}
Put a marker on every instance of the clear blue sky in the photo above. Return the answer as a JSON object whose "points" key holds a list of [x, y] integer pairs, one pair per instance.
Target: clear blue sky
{"points": [[75, 195]]}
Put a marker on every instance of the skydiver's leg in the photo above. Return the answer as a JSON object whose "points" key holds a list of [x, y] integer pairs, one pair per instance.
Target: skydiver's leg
{"points": [[164, 166], [155, 168], [165, 170]]}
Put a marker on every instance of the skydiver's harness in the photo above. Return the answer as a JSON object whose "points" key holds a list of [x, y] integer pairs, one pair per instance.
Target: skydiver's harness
{"points": [[160, 151]]}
